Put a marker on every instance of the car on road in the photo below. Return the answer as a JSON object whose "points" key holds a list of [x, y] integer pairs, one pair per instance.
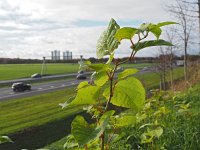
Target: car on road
{"points": [[81, 75], [21, 86], [36, 75]]}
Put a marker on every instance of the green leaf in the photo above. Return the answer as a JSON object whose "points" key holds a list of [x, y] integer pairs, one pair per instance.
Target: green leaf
{"points": [[128, 93], [4, 139], [161, 24], [105, 119], [147, 137], [63, 105], [125, 33], [127, 73], [71, 142], [83, 132], [106, 44], [82, 85], [156, 31], [145, 44], [145, 27], [98, 67], [101, 78], [86, 96], [124, 120]]}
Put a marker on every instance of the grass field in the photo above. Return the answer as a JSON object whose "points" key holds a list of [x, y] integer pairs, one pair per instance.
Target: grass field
{"points": [[19, 114], [16, 71]]}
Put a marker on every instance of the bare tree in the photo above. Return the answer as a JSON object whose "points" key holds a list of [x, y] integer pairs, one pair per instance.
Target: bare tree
{"points": [[184, 17], [163, 66], [171, 37]]}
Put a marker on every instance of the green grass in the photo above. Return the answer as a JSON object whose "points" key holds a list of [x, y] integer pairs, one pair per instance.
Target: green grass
{"points": [[180, 131], [19, 114], [138, 65], [16, 71], [151, 80]]}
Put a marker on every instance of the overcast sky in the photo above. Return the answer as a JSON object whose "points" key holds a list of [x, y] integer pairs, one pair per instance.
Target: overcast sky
{"points": [[33, 28]]}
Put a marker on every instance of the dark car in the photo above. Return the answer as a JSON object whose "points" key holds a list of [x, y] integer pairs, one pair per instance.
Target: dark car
{"points": [[36, 75], [81, 76], [20, 86]]}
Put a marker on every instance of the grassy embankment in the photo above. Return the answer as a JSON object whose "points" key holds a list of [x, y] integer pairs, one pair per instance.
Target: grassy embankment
{"points": [[181, 126], [16, 71], [17, 115]]}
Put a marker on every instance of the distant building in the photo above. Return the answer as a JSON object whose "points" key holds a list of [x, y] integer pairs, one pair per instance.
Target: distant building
{"points": [[55, 55], [67, 55]]}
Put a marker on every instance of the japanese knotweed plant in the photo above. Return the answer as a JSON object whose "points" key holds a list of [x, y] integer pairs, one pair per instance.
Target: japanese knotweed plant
{"points": [[109, 89]]}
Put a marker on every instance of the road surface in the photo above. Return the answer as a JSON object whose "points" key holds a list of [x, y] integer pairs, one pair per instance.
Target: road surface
{"points": [[45, 87], [7, 93]]}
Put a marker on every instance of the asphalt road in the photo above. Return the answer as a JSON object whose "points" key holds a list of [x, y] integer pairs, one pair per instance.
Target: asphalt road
{"points": [[45, 87], [7, 93]]}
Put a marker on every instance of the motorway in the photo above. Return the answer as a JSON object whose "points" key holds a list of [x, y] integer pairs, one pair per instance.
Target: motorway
{"points": [[40, 88], [45, 87]]}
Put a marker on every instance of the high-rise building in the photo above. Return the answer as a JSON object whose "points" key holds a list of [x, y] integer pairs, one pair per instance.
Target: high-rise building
{"points": [[67, 55], [55, 55]]}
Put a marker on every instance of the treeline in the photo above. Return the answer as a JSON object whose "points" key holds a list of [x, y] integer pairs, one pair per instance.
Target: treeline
{"points": [[92, 59]]}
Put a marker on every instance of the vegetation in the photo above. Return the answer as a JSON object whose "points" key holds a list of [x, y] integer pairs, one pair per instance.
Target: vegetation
{"points": [[176, 113], [16, 71], [21, 108], [103, 96], [19, 114]]}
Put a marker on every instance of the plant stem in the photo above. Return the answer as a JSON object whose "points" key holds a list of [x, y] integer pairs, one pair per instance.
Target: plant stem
{"points": [[102, 141], [111, 77]]}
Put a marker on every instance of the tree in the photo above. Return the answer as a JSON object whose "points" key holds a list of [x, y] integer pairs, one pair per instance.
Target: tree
{"points": [[183, 15], [170, 34]]}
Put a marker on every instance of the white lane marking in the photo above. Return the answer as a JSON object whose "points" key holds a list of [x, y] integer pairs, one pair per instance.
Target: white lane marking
{"points": [[40, 88], [72, 83], [11, 93], [52, 86]]}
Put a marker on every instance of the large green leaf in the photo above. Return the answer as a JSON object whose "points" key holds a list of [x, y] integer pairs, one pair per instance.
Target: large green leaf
{"points": [[83, 132], [125, 33], [86, 96], [106, 44], [127, 73], [145, 44], [128, 93]]}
